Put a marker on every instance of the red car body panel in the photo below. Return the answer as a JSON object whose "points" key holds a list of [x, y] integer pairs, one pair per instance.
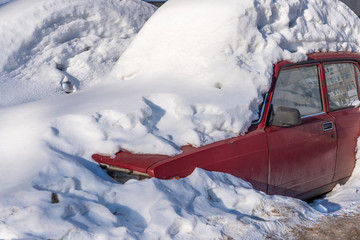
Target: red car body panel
{"points": [[292, 161], [244, 156], [347, 126], [301, 157], [127, 160]]}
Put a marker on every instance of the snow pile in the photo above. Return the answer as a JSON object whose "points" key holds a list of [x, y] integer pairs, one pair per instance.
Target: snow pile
{"points": [[182, 84], [51, 42], [206, 205], [204, 64], [207, 63]]}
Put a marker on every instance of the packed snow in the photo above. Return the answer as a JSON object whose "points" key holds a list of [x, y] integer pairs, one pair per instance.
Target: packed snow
{"points": [[202, 63]]}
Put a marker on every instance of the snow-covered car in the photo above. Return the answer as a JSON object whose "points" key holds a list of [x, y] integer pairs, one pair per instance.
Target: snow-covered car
{"points": [[302, 145]]}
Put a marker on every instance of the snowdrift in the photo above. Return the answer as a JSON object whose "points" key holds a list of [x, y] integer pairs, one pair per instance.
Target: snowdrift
{"points": [[205, 64], [50, 42], [194, 74]]}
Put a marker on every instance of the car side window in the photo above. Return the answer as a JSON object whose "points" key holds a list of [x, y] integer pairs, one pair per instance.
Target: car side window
{"points": [[341, 84], [298, 88]]}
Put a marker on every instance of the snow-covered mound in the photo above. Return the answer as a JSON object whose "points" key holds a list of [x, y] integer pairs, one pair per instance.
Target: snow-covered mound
{"points": [[206, 63], [206, 205], [196, 79], [50, 42]]}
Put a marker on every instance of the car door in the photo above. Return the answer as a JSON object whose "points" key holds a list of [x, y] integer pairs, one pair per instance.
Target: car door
{"points": [[302, 157], [342, 89]]}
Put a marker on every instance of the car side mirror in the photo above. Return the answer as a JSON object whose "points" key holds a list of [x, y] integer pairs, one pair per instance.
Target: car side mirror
{"points": [[286, 117]]}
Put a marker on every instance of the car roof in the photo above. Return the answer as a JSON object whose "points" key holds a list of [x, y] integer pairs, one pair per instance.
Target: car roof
{"points": [[321, 56]]}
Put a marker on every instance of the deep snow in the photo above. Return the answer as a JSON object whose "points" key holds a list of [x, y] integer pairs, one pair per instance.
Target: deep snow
{"points": [[184, 67], [47, 43]]}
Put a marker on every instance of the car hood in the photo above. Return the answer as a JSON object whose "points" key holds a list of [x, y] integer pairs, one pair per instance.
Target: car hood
{"points": [[127, 160]]}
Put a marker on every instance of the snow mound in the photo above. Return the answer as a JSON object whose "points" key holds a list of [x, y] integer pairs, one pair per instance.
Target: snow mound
{"points": [[51, 42], [206, 90], [207, 63], [206, 205]]}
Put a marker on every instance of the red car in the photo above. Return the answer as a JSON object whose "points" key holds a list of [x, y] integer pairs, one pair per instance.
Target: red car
{"points": [[302, 145]]}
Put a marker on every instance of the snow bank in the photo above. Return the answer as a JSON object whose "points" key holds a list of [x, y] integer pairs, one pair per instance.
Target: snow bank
{"points": [[50, 42], [183, 67], [207, 63], [206, 205], [158, 100]]}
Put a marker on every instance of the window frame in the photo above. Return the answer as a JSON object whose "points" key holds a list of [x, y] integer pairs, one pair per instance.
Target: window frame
{"points": [[320, 70], [264, 115], [339, 61], [356, 66]]}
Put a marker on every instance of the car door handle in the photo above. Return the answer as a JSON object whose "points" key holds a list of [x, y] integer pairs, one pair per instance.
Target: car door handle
{"points": [[327, 126]]}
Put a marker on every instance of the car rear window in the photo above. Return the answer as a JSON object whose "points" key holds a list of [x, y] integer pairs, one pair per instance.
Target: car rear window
{"points": [[341, 85], [299, 88]]}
